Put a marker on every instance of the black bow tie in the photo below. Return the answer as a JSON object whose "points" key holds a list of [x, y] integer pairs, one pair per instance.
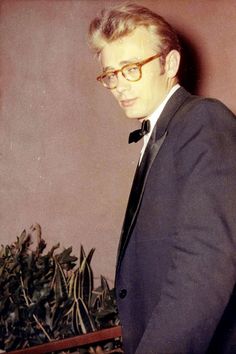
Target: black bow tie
{"points": [[136, 135]]}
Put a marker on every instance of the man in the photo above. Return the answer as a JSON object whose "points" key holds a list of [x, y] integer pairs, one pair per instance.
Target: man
{"points": [[176, 267]]}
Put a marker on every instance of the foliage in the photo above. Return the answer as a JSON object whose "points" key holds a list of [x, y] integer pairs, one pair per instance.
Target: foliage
{"points": [[49, 296]]}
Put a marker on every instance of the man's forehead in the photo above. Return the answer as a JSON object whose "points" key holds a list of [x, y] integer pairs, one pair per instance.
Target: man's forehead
{"points": [[127, 49], [122, 63]]}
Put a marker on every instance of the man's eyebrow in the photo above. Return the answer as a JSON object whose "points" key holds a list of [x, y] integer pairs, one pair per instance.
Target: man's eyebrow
{"points": [[122, 63]]}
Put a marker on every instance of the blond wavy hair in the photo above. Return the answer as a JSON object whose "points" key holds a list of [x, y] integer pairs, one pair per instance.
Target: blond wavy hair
{"points": [[121, 20]]}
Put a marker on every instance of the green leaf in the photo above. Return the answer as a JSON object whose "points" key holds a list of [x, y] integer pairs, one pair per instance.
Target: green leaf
{"points": [[60, 311], [85, 319], [59, 282], [86, 283], [77, 285], [66, 260], [76, 319]]}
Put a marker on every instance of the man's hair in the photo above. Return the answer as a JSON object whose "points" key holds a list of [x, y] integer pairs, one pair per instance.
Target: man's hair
{"points": [[121, 20]]}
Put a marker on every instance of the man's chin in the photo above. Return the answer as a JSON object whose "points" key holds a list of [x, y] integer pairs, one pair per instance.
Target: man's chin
{"points": [[138, 116], [132, 114]]}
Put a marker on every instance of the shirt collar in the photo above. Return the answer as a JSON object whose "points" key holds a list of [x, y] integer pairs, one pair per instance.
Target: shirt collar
{"points": [[156, 114]]}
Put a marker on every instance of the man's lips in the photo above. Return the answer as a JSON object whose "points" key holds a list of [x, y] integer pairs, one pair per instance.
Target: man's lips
{"points": [[127, 102]]}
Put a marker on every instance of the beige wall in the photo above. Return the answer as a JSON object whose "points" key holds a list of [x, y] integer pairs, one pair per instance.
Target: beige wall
{"points": [[65, 161]]}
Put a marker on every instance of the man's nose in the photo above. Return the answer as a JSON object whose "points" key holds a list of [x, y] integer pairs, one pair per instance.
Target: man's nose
{"points": [[122, 83]]}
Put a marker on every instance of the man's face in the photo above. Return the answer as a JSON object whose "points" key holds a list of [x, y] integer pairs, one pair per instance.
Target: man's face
{"points": [[138, 99]]}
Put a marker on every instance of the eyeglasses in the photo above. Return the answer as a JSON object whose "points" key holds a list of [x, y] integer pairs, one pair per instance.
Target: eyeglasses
{"points": [[131, 72]]}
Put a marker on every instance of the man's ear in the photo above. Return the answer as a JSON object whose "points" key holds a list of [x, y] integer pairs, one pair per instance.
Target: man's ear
{"points": [[172, 63]]}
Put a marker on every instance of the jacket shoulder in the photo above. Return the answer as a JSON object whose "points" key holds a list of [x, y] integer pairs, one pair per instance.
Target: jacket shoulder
{"points": [[206, 112]]}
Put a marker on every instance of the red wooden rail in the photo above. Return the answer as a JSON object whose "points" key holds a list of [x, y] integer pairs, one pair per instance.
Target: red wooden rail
{"points": [[78, 341]]}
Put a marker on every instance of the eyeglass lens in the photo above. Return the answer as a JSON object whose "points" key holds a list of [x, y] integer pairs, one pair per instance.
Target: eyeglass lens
{"points": [[130, 72]]}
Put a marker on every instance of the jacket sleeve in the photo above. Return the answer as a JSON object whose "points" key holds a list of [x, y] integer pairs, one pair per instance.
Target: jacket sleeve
{"points": [[202, 275]]}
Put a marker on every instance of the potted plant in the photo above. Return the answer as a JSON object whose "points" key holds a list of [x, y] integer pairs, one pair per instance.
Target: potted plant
{"points": [[47, 296]]}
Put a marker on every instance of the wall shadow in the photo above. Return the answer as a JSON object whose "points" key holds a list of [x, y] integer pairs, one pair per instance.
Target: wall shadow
{"points": [[190, 72]]}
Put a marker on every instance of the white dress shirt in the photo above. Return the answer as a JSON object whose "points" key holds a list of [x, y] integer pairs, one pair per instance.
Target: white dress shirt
{"points": [[154, 117]]}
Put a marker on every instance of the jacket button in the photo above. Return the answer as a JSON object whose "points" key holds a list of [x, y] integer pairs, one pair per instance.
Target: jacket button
{"points": [[122, 293]]}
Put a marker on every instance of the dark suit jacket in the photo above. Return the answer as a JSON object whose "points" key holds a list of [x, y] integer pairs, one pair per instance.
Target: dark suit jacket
{"points": [[176, 268]]}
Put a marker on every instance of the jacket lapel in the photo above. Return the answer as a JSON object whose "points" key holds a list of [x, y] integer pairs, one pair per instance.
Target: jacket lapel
{"points": [[157, 138]]}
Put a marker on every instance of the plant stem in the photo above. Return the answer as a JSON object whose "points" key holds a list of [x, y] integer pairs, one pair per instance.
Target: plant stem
{"points": [[35, 318]]}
